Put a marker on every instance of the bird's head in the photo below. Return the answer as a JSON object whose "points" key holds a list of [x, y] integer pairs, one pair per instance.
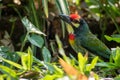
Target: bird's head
{"points": [[72, 19]]}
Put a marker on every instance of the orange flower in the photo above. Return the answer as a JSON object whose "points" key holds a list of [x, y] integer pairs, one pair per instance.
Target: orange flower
{"points": [[70, 70]]}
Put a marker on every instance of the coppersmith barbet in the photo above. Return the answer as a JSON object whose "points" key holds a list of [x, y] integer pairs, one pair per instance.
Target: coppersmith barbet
{"points": [[83, 37]]}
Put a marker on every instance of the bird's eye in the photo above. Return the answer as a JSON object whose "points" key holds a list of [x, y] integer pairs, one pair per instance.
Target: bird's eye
{"points": [[75, 21]]}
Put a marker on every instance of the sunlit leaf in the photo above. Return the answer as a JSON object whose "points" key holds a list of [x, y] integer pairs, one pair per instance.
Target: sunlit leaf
{"points": [[82, 61], [24, 61], [113, 37], [36, 40], [117, 78], [58, 70], [27, 59], [45, 7], [117, 57], [30, 58], [51, 77], [92, 65], [61, 50], [12, 63], [8, 71]]}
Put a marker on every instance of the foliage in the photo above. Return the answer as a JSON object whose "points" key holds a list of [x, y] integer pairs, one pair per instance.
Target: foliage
{"points": [[101, 11], [28, 69], [115, 37], [113, 64], [25, 62]]}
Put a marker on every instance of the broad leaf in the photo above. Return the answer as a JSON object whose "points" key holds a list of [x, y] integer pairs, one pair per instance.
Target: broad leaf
{"points": [[46, 54], [36, 40], [30, 27]]}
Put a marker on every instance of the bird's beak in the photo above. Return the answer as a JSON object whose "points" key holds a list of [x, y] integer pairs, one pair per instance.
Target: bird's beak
{"points": [[65, 18]]}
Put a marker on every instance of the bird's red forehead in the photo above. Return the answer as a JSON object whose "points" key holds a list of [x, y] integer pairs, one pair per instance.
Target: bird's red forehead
{"points": [[74, 16]]}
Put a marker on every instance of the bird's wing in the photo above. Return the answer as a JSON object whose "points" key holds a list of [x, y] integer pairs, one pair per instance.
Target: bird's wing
{"points": [[78, 48], [93, 44]]}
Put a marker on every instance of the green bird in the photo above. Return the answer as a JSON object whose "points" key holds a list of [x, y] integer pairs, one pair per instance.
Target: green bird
{"points": [[82, 39]]}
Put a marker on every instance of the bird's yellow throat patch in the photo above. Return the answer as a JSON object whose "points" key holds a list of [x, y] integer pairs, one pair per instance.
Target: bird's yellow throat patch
{"points": [[71, 38]]}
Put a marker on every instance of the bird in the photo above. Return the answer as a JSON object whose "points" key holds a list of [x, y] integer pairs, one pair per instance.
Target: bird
{"points": [[82, 39]]}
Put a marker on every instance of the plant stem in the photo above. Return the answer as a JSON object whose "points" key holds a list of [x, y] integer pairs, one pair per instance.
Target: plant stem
{"points": [[23, 44]]}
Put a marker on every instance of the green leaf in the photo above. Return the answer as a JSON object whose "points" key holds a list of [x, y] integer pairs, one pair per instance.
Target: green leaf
{"points": [[82, 62], [60, 46], [58, 70], [46, 54], [63, 8], [27, 59], [36, 40], [117, 78], [24, 59], [117, 57], [45, 7], [106, 64], [113, 37], [8, 71], [78, 2], [30, 27], [7, 54], [50, 67], [12, 63], [30, 58], [51, 77], [92, 65]]}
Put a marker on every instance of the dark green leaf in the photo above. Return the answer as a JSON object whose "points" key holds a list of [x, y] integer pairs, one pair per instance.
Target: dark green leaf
{"points": [[36, 40], [46, 54], [50, 67]]}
